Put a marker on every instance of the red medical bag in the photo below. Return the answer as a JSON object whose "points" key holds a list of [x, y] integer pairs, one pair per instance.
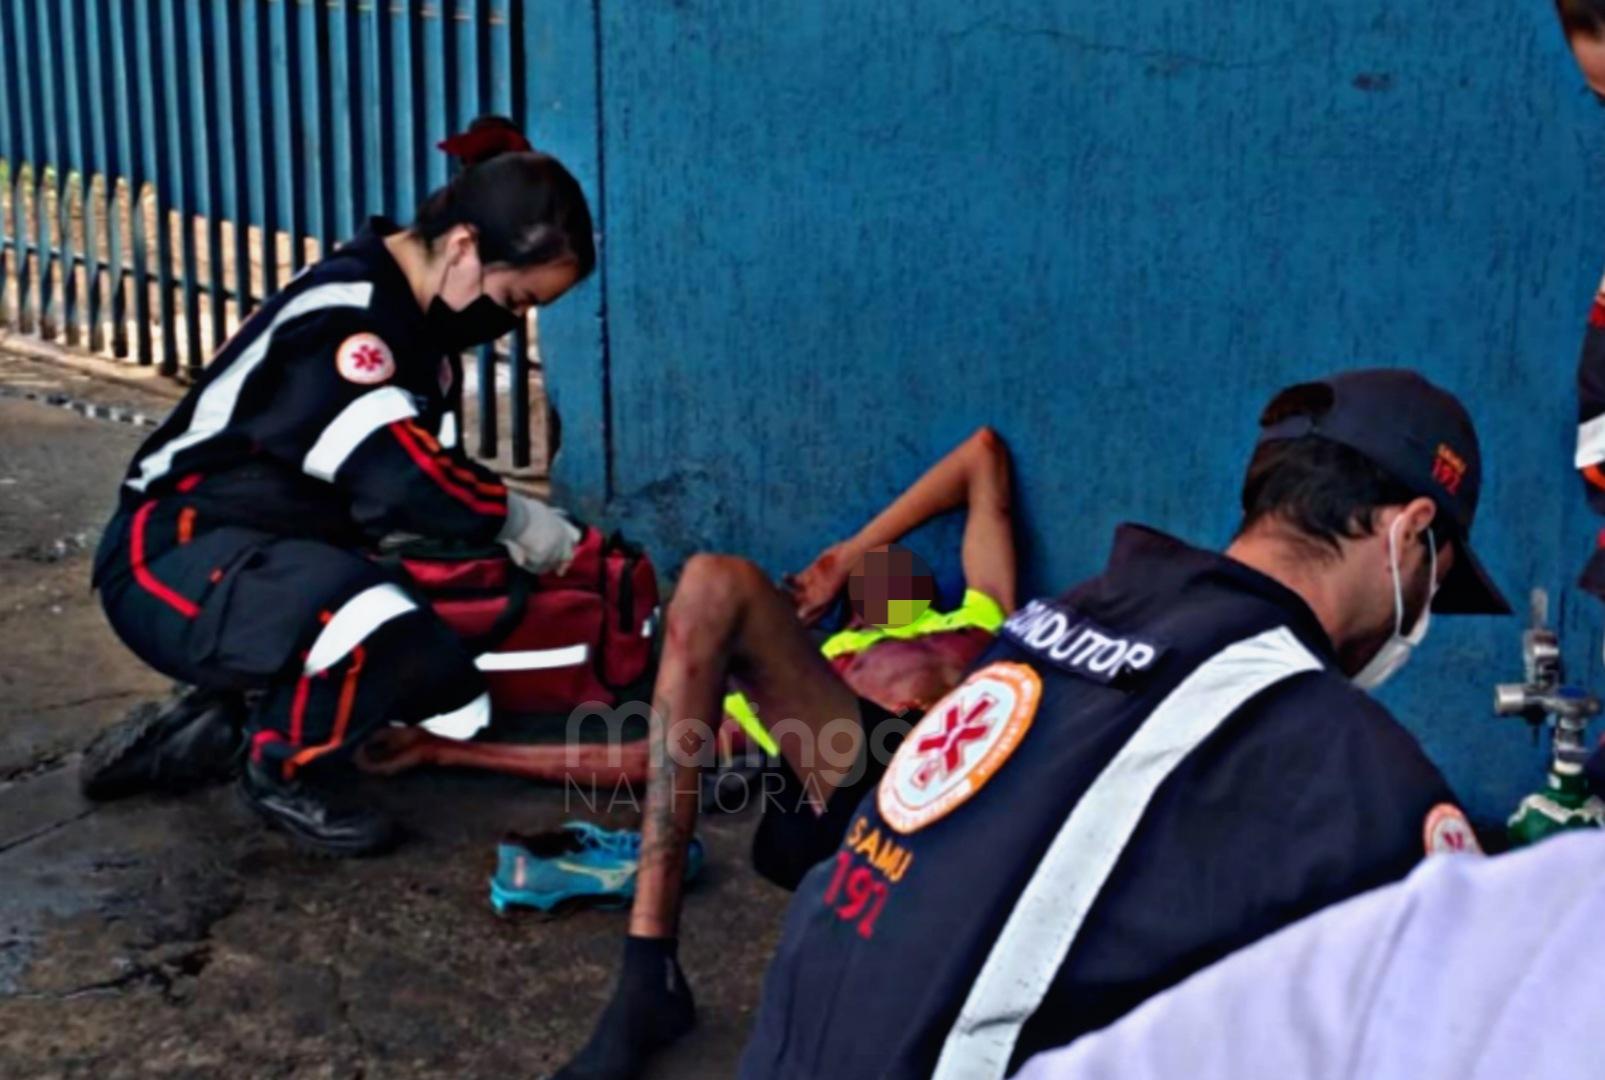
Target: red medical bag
{"points": [[548, 643]]}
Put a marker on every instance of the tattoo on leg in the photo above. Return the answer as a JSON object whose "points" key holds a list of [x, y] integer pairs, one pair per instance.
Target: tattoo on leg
{"points": [[664, 836]]}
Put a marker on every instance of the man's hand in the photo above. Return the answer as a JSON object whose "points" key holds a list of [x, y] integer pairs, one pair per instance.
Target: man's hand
{"points": [[813, 590], [538, 538]]}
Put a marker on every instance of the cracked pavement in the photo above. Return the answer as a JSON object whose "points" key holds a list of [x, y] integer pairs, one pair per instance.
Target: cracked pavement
{"points": [[173, 937]]}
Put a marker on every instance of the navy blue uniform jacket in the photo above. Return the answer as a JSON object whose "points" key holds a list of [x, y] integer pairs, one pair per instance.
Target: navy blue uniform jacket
{"points": [[1140, 776]]}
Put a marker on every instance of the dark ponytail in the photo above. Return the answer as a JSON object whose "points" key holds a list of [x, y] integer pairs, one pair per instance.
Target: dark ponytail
{"points": [[524, 207], [1584, 18]]}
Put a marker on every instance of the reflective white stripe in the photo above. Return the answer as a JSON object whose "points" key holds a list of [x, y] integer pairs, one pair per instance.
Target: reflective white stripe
{"points": [[1049, 912], [356, 422], [533, 659], [463, 723], [357, 618], [215, 406], [448, 430], [1591, 442]]}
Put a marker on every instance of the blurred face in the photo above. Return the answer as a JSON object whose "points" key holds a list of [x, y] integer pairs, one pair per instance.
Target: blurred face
{"points": [[1590, 53], [890, 586]]}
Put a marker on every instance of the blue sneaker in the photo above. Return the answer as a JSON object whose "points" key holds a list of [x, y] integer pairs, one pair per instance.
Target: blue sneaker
{"points": [[626, 844], [579, 864]]}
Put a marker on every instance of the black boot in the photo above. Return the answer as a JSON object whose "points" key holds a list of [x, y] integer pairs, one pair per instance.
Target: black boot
{"points": [[194, 738], [651, 1008], [320, 817]]}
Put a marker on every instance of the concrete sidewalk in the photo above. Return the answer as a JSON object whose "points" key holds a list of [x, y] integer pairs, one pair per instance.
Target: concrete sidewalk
{"points": [[173, 937]]}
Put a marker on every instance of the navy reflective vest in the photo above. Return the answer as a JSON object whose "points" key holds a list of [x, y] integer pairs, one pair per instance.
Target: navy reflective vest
{"points": [[1140, 776]]}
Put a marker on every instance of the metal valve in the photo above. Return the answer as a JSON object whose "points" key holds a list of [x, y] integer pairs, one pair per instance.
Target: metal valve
{"points": [[1542, 694], [1541, 697]]}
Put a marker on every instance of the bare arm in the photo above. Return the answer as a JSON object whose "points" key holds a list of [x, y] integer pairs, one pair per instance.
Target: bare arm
{"points": [[975, 474]]}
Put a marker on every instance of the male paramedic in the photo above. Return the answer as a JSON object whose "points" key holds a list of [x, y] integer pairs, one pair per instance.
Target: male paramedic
{"points": [[1166, 763]]}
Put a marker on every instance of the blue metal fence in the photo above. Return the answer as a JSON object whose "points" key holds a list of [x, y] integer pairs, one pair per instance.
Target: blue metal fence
{"points": [[170, 162]]}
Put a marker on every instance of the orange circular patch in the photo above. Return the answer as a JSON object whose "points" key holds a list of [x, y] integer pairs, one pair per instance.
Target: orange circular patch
{"points": [[959, 745]]}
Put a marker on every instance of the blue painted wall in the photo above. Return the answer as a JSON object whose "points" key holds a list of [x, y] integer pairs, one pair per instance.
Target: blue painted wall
{"points": [[841, 235]]}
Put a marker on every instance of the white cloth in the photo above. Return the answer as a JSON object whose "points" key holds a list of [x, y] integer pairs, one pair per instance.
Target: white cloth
{"points": [[1470, 969], [537, 537]]}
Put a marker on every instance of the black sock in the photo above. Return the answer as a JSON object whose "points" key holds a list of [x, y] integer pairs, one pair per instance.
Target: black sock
{"points": [[651, 1008]]}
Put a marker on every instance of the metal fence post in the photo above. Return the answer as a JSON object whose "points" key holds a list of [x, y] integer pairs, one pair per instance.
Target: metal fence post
{"points": [[78, 180], [92, 65], [10, 250], [47, 172]]}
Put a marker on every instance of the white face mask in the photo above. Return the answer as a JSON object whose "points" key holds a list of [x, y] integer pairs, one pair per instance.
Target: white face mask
{"points": [[1395, 651]]}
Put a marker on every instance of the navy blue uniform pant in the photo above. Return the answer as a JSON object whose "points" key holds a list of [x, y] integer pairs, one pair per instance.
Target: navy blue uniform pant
{"points": [[334, 641]]}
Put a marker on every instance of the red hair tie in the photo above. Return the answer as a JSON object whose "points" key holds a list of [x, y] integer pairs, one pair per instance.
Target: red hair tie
{"points": [[481, 143]]}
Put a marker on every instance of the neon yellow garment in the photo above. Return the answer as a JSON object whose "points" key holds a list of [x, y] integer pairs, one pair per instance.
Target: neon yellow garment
{"points": [[978, 612]]}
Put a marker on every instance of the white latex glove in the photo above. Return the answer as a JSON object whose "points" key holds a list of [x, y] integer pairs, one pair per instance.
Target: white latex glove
{"points": [[538, 538]]}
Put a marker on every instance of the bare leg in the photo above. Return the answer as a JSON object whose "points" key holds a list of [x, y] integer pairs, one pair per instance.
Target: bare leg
{"points": [[395, 750], [726, 617]]}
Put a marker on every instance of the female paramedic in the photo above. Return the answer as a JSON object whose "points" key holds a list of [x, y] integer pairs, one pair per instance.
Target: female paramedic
{"points": [[237, 558]]}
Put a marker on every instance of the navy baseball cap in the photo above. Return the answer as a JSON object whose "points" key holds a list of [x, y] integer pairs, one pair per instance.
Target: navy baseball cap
{"points": [[1423, 437]]}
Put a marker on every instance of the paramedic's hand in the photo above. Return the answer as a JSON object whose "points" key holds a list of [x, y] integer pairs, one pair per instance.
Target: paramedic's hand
{"points": [[538, 538], [813, 590]]}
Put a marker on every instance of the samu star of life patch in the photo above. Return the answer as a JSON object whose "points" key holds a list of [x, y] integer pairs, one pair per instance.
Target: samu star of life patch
{"points": [[959, 745], [365, 359], [1447, 832]]}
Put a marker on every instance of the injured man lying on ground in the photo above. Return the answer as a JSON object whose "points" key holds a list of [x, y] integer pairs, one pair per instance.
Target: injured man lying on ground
{"points": [[728, 625]]}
